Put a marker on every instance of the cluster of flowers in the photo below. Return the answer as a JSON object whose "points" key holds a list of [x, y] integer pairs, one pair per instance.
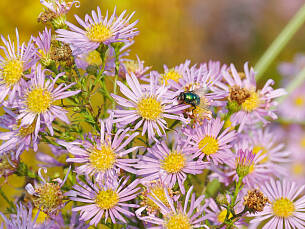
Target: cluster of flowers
{"points": [[134, 157]]}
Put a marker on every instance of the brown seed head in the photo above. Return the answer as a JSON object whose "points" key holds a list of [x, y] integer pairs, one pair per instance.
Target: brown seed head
{"points": [[238, 94], [255, 201]]}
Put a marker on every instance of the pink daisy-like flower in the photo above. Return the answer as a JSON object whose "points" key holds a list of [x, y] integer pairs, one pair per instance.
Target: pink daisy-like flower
{"points": [[268, 142], [103, 156], [149, 104], [181, 214], [104, 200], [18, 138], [287, 208], [170, 165], [23, 218], [17, 59], [293, 107], [217, 214], [173, 74], [249, 104], [98, 29], [59, 7], [133, 67], [211, 142], [43, 42], [47, 196], [248, 166], [37, 102]]}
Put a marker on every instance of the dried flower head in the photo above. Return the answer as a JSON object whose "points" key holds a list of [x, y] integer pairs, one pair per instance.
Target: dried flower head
{"points": [[255, 201]]}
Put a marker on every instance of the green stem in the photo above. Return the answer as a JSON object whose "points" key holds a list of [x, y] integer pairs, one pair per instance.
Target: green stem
{"points": [[237, 188], [280, 42], [11, 204], [294, 84]]}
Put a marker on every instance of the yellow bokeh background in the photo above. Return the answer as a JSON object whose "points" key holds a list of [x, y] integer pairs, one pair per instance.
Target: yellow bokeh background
{"points": [[174, 30]]}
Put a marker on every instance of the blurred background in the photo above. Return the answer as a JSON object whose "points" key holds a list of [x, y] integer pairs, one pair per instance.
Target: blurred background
{"points": [[174, 30]]}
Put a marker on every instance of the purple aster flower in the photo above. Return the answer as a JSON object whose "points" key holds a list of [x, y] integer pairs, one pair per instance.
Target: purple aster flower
{"points": [[103, 156], [22, 219], [250, 169], [181, 214], [293, 107], [47, 196], [173, 74], [104, 199], [59, 7], [211, 142], [268, 142], [287, 205], [8, 164], [149, 104], [37, 102], [18, 138], [217, 214], [170, 165], [16, 60], [155, 188], [43, 43], [133, 67], [252, 105], [98, 29]]}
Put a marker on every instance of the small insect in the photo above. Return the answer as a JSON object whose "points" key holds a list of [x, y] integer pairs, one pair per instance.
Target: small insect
{"points": [[196, 98]]}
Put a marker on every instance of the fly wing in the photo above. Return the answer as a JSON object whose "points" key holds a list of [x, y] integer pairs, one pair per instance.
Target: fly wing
{"points": [[201, 92]]}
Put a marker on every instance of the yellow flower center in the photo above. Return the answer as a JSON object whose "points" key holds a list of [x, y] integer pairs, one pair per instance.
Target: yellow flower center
{"points": [[42, 217], [228, 124], [131, 66], [299, 101], [157, 191], [106, 199], [222, 216], [251, 103], [283, 207], [298, 169], [25, 131], [48, 197], [171, 75], [99, 33], [93, 58], [251, 169], [12, 72], [149, 108], [257, 149], [208, 145], [174, 162], [178, 221], [39, 100], [102, 159]]}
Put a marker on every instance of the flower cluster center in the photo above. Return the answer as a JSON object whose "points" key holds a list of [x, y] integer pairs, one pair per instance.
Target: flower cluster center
{"points": [[39, 100], [107, 199], [99, 33], [102, 159], [208, 145], [238, 94], [171, 75], [283, 207], [174, 162], [149, 108], [156, 191], [12, 72], [48, 197], [178, 221], [299, 101], [251, 103]]}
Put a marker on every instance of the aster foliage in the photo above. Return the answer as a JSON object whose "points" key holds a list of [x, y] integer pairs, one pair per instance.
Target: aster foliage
{"points": [[136, 146]]}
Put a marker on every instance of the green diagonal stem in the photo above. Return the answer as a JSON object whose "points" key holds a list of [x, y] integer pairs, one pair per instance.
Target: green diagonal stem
{"points": [[280, 42]]}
